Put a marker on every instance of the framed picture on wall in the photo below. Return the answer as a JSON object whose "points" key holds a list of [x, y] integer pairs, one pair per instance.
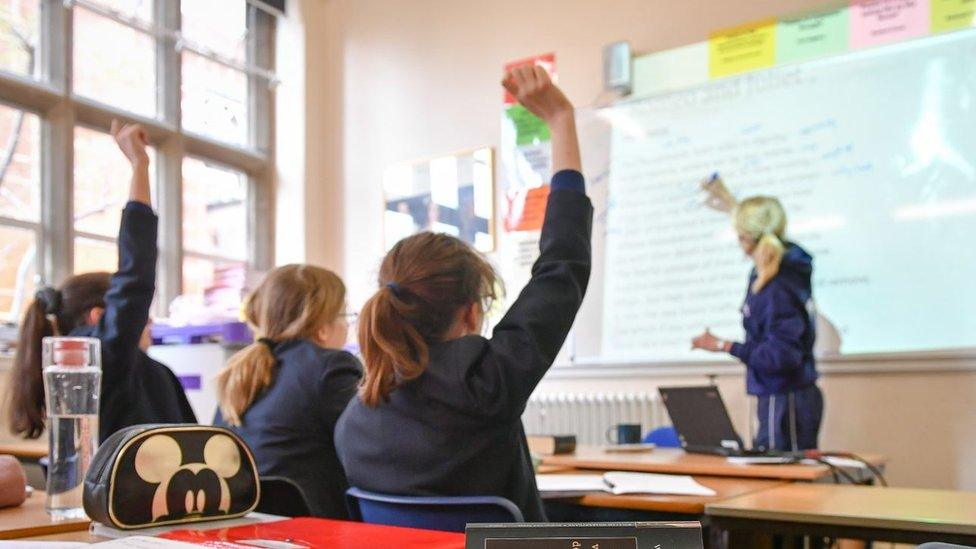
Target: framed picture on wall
{"points": [[452, 194]]}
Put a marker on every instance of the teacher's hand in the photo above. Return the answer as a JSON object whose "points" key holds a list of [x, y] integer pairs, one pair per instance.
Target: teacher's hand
{"points": [[717, 195], [708, 342]]}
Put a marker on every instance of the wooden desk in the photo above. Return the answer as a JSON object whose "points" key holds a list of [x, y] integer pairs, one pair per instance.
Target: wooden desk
{"points": [[725, 487], [82, 536], [676, 461], [30, 519], [30, 450], [905, 515]]}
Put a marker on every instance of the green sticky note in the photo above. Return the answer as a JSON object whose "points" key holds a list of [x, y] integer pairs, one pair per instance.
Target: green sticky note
{"points": [[950, 15], [814, 35], [529, 128]]}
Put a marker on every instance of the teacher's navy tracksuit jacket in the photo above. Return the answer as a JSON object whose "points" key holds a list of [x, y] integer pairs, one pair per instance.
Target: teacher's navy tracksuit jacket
{"points": [[778, 354]]}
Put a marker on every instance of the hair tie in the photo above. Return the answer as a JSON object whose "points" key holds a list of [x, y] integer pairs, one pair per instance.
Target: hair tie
{"points": [[394, 287], [50, 298], [269, 343]]}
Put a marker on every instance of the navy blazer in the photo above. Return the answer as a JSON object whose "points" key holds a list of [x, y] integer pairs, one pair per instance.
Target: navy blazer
{"points": [[290, 425], [456, 430], [135, 388]]}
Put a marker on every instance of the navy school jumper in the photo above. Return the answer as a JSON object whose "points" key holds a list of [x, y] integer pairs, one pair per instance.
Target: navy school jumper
{"points": [[289, 427], [135, 388], [456, 430]]}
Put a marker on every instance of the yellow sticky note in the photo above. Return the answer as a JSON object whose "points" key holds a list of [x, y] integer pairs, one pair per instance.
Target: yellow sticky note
{"points": [[950, 15], [743, 48]]}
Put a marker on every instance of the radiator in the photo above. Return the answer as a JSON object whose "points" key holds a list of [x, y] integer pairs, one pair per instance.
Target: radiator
{"points": [[590, 415]]}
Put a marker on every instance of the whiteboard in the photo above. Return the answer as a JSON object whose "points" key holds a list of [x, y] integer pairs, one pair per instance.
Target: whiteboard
{"points": [[873, 154]]}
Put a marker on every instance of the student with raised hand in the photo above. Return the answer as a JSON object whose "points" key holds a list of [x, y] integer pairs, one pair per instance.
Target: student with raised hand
{"points": [[113, 308], [439, 410], [284, 393], [779, 323]]}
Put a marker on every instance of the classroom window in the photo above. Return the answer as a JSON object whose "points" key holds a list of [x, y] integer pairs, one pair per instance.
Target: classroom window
{"points": [[128, 81], [102, 175], [214, 99], [19, 209], [199, 75], [215, 227], [18, 36]]}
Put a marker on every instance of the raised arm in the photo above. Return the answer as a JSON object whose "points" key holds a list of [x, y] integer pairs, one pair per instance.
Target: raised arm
{"points": [[132, 287], [525, 342]]}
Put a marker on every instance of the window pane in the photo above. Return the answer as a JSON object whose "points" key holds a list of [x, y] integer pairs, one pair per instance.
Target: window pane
{"points": [[138, 9], [214, 210], [113, 63], [20, 186], [219, 26], [102, 176], [214, 99], [220, 284], [95, 255], [17, 270], [18, 36]]}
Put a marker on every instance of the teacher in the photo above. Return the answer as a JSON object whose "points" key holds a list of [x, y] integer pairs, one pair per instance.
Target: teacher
{"points": [[779, 322]]}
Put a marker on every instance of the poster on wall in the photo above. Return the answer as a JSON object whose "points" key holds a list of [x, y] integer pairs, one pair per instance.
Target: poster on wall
{"points": [[526, 156], [451, 194]]}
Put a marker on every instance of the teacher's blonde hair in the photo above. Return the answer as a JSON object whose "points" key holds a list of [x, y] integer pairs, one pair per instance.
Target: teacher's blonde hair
{"points": [[763, 219]]}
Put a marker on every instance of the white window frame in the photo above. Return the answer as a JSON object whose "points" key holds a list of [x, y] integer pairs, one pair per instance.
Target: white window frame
{"points": [[50, 96]]}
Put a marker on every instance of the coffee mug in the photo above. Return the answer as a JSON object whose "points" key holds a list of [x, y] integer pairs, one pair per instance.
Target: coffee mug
{"points": [[627, 433]]}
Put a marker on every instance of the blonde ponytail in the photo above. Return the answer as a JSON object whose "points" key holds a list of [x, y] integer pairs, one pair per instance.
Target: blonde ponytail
{"points": [[763, 219], [293, 302], [247, 373], [768, 256]]}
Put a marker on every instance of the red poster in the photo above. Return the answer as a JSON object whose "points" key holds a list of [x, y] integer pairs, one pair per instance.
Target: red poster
{"points": [[526, 209]]}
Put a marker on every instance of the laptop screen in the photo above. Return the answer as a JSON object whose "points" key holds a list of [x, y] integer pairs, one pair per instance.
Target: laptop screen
{"points": [[700, 418]]}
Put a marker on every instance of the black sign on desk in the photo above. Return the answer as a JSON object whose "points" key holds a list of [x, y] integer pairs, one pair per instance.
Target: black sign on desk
{"points": [[588, 535]]}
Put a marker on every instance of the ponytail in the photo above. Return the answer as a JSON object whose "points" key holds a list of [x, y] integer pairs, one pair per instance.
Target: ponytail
{"points": [[293, 302], [768, 256], [392, 347], [249, 372], [25, 393], [425, 280], [763, 219]]}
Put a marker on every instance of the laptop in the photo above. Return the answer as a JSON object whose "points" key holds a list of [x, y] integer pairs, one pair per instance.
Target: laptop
{"points": [[703, 424]]}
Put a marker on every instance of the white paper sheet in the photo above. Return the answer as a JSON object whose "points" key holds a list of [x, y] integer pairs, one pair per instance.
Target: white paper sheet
{"points": [[651, 483], [570, 483], [620, 482]]}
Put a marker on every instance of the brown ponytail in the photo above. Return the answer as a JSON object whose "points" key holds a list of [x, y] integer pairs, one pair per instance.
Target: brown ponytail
{"points": [[293, 302], [69, 307], [425, 280]]}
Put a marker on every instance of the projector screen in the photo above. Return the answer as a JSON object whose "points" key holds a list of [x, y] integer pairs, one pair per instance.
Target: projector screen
{"points": [[873, 155]]}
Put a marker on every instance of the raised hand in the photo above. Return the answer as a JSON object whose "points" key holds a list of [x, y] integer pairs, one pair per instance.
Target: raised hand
{"points": [[132, 141], [533, 88], [717, 195]]}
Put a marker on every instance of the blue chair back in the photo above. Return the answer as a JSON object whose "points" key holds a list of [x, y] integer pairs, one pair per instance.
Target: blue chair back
{"points": [[664, 437], [283, 497], [449, 514]]}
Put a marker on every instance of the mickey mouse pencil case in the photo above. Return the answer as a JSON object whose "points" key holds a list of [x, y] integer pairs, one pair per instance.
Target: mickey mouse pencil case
{"points": [[153, 475]]}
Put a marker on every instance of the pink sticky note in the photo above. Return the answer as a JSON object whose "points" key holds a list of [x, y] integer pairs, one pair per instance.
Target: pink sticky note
{"points": [[875, 22]]}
